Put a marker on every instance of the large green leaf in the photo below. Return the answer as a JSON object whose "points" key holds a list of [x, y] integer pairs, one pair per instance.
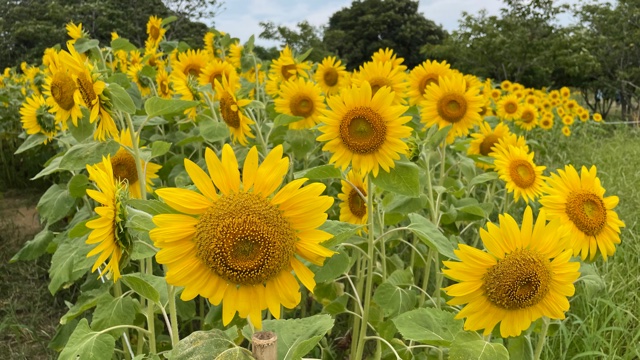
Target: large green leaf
{"points": [[35, 247], [69, 263], [213, 131], [155, 106], [470, 346], [202, 345], [113, 311], [394, 296], [121, 99], [429, 326], [333, 267], [341, 231], [319, 173], [136, 283], [122, 44], [31, 142], [426, 231], [87, 344], [520, 347], [296, 337], [55, 203], [78, 185], [86, 300], [302, 142], [152, 207], [81, 155], [284, 119], [53, 166], [403, 179]]}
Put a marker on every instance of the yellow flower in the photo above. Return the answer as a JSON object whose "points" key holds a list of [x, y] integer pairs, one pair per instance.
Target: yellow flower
{"points": [[566, 131], [529, 117], [387, 55], [300, 98], [217, 69], [578, 201], [235, 55], [155, 31], [108, 230], [139, 79], [59, 89], [450, 103], [597, 117], [517, 169], [353, 208], [506, 85], [163, 85], [191, 62], [423, 75], [187, 87], [35, 117], [284, 68], [231, 109], [75, 32], [509, 107], [364, 130], [484, 142], [237, 245], [379, 74], [523, 276], [546, 122], [331, 75]]}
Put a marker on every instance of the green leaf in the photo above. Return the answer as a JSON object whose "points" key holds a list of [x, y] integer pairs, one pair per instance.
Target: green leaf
{"points": [[284, 119], [121, 99], [62, 335], [201, 345], [86, 300], [470, 346], [168, 20], [319, 173], [429, 326], [142, 245], [55, 204], [79, 230], [236, 353], [436, 136], [141, 286], [213, 131], [87, 344], [520, 348], [341, 231], [403, 179], [139, 220], [122, 44], [53, 166], [394, 295], [296, 337], [78, 185], [84, 128], [31, 142], [113, 311], [482, 178], [35, 247], [591, 279], [69, 263], [303, 57], [155, 106], [159, 148], [333, 267], [152, 207], [81, 155], [302, 142], [431, 235], [83, 45]]}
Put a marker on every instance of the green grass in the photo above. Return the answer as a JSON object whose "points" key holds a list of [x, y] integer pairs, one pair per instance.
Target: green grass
{"points": [[603, 320]]}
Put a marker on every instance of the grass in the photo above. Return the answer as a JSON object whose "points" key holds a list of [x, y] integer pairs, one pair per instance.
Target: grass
{"points": [[603, 320]]}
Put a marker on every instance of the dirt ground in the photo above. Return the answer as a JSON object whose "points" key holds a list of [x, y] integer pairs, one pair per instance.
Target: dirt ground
{"points": [[29, 314]]}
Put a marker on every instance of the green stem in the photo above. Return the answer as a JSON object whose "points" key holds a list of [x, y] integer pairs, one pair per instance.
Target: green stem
{"points": [[426, 275], [369, 279], [151, 316], [117, 292], [356, 306], [173, 315], [542, 338]]}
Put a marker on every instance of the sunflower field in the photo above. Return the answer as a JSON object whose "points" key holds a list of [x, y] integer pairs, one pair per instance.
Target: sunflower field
{"points": [[204, 196]]}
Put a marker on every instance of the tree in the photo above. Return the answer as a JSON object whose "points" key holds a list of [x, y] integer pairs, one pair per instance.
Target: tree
{"points": [[305, 38], [356, 32]]}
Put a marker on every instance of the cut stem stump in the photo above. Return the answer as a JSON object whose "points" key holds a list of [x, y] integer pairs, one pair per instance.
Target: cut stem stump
{"points": [[265, 345]]}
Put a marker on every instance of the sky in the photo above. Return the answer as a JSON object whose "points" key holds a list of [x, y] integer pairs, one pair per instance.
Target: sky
{"points": [[240, 18]]}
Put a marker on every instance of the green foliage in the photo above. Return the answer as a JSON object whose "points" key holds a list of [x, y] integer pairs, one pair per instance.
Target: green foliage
{"points": [[306, 37]]}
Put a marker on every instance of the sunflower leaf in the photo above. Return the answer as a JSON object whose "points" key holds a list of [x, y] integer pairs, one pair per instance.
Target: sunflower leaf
{"points": [[155, 106], [319, 173], [69, 263], [81, 155], [470, 346], [122, 44], [32, 249], [114, 311], [31, 142], [141, 286], [202, 345], [284, 119], [78, 185], [394, 295], [213, 131], [87, 344], [428, 326], [121, 99], [403, 179], [55, 204], [429, 233]]}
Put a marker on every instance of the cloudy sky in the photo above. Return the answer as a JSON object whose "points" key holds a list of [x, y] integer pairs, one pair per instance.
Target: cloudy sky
{"points": [[240, 18]]}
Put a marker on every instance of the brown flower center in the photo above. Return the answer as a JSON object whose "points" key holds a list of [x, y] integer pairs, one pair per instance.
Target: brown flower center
{"points": [[62, 89], [301, 105], [288, 71], [124, 166], [357, 205], [452, 107], [522, 173], [487, 143], [330, 77], [363, 130], [85, 85], [587, 212], [230, 117], [510, 107]]}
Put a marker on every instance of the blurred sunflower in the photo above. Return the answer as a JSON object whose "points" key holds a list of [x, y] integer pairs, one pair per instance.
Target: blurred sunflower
{"points": [[524, 275], [578, 201], [190, 62], [217, 69], [238, 245], [235, 55], [546, 122], [75, 32], [566, 131], [529, 118], [509, 108], [597, 117], [423, 75], [155, 31], [379, 74], [36, 118], [521, 175], [163, 85], [139, 79], [301, 98], [187, 87], [387, 55], [285, 68], [59, 89], [331, 75], [353, 208]]}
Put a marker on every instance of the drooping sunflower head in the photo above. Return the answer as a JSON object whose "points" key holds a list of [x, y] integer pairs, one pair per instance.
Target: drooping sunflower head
{"points": [[331, 75], [301, 98], [380, 74], [231, 109], [235, 55], [520, 174], [353, 208], [525, 274], [509, 107], [108, 230], [485, 141], [363, 129], [450, 103], [209, 43], [578, 201], [36, 118], [423, 75], [238, 241]]}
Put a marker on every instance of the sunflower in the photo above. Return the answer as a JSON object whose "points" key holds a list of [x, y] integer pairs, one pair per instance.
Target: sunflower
{"points": [[89, 92], [155, 31], [554, 95], [163, 85], [525, 274], [597, 117], [284, 68], [583, 116], [191, 62], [363, 129], [301, 98], [217, 70], [484, 142], [108, 230], [331, 75], [566, 131], [565, 92], [387, 55], [495, 94], [449, 103], [517, 169], [506, 85], [75, 32], [531, 100], [578, 201], [423, 75], [187, 87], [59, 89], [568, 120], [209, 43], [379, 74], [546, 122], [529, 118], [353, 208], [238, 245], [142, 81], [235, 55], [35, 117], [509, 108], [231, 109]]}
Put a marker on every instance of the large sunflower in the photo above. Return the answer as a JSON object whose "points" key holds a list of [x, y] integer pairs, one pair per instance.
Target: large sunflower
{"points": [[59, 89], [35, 117], [578, 201], [449, 103], [379, 74], [238, 244], [423, 75], [231, 110], [387, 55], [123, 166], [484, 142], [523, 276], [364, 130], [331, 75], [517, 169], [301, 98], [353, 208], [108, 230]]}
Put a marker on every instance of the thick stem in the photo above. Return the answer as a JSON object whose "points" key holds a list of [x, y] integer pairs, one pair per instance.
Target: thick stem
{"points": [[173, 315], [151, 316], [369, 279], [427, 274], [542, 338]]}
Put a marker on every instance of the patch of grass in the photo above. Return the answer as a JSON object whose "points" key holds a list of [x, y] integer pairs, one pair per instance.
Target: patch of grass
{"points": [[603, 322]]}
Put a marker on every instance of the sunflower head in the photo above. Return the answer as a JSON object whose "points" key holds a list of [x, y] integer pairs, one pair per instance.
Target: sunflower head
{"points": [[353, 208], [231, 109], [521, 175], [301, 98], [331, 75], [509, 107], [597, 117], [485, 141], [155, 30], [36, 118], [380, 74]]}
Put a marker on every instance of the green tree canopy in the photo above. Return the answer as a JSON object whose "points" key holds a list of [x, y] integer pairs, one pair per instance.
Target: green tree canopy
{"points": [[356, 32]]}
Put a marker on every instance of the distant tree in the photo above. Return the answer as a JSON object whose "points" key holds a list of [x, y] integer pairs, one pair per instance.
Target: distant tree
{"points": [[304, 38], [356, 32]]}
